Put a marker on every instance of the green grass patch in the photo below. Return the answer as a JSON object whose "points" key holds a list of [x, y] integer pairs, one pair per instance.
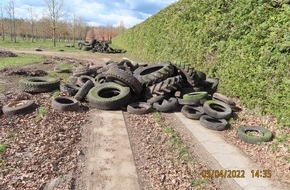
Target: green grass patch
{"points": [[43, 44], [246, 44], [173, 137], [40, 114], [2, 147], [20, 60]]}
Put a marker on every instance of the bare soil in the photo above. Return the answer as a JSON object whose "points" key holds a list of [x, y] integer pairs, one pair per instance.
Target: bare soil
{"points": [[5, 53]]}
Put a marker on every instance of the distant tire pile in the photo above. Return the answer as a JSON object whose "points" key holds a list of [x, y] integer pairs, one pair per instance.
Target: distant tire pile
{"points": [[98, 46]]}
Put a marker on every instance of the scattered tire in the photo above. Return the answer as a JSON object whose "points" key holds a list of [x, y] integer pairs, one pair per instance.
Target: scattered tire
{"points": [[217, 109], [223, 98], [64, 103], [213, 123], [211, 85], [192, 112], [154, 99], [84, 90], [166, 105], [188, 102], [59, 70], [170, 85], [114, 73], [109, 96], [139, 108], [19, 107], [70, 89], [39, 84], [154, 73], [83, 79], [266, 134], [195, 96], [188, 73]]}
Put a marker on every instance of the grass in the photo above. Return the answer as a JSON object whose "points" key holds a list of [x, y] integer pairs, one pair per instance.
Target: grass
{"points": [[28, 45], [63, 76], [40, 114], [2, 149], [246, 44], [20, 60]]}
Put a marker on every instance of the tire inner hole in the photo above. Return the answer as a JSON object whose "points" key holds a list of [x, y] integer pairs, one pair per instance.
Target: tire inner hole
{"points": [[37, 80], [109, 93], [64, 101], [150, 70], [217, 107], [254, 133], [193, 111], [213, 120]]}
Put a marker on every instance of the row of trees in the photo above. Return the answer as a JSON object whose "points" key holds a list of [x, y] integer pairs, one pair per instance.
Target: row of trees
{"points": [[51, 25]]}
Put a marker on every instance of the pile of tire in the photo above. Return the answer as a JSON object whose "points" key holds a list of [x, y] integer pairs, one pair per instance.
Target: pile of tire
{"points": [[98, 46]]}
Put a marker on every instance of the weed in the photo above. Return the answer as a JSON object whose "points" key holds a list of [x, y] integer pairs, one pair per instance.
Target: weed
{"points": [[198, 182], [40, 114], [2, 147]]}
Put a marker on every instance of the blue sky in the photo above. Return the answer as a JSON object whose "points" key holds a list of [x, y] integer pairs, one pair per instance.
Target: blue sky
{"points": [[97, 12]]}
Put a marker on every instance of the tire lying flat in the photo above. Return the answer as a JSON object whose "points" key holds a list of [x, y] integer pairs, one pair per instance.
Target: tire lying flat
{"points": [[213, 123], [19, 107], [242, 134], [39, 84], [63, 103], [109, 96]]}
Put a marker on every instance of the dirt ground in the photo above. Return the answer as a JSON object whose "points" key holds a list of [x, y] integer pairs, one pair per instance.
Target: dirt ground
{"points": [[34, 148]]}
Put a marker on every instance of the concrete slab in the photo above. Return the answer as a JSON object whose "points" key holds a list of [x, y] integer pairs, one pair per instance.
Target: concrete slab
{"points": [[227, 156], [110, 164]]}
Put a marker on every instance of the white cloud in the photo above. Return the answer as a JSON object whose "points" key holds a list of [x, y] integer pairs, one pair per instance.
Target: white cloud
{"points": [[98, 12]]}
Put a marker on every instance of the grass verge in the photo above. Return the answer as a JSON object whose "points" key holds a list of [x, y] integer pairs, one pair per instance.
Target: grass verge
{"points": [[20, 60]]}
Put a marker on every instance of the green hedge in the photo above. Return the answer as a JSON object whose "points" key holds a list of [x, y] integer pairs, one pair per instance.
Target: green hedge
{"points": [[244, 43]]}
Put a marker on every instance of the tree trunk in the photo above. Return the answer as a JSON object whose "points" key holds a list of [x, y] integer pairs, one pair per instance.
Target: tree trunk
{"points": [[53, 37]]}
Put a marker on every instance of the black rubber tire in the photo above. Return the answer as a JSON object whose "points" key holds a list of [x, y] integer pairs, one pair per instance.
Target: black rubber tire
{"points": [[139, 108], [87, 48], [154, 99], [154, 73], [213, 123], [195, 96], [84, 90], [170, 85], [19, 107], [114, 73], [39, 84], [63, 103], [59, 70], [223, 98], [217, 109], [70, 89], [188, 102], [201, 76], [242, 134], [188, 73], [83, 79], [211, 85], [109, 96], [166, 105], [192, 112]]}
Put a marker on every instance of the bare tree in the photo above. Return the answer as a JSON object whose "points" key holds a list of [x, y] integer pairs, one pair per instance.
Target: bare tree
{"points": [[32, 23], [2, 23], [55, 12], [11, 13]]}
